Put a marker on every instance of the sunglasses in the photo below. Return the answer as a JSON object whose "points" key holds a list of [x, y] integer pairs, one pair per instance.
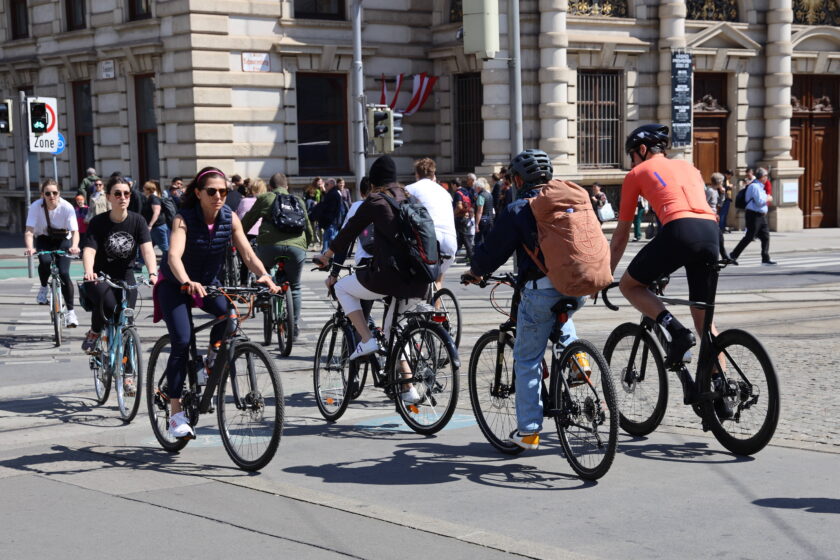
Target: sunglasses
{"points": [[121, 194], [211, 191], [50, 193]]}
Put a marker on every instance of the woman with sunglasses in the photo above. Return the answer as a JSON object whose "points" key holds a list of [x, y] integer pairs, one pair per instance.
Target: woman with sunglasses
{"points": [[200, 233], [52, 225], [112, 242]]}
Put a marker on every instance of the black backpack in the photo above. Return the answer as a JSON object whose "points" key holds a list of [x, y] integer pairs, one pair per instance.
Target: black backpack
{"points": [[288, 214], [419, 257], [168, 209], [741, 198]]}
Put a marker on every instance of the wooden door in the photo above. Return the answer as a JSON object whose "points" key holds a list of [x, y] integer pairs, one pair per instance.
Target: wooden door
{"points": [[710, 114], [708, 150]]}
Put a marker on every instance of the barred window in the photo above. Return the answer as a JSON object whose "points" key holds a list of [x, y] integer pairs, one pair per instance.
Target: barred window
{"points": [[712, 10], [468, 126], [599, 119]]}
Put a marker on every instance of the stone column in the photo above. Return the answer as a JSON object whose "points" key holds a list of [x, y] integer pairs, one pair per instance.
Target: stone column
{"points": [[671, 36], [785, 214], [556, 110]]}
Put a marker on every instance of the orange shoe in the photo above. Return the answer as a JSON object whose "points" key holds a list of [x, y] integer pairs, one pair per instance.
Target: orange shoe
{"points": [[525, 441], [580, 369]]}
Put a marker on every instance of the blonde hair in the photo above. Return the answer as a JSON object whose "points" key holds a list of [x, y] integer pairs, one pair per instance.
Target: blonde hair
{"points": [[257, 187], [482, 182]]}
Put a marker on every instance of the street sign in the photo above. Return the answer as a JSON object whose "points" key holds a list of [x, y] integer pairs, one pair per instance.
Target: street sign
{"points": [[43, 124], [60, 145]]}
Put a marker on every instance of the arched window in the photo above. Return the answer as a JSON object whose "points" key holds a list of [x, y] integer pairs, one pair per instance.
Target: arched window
{"points": [[712, 10], [816, 12], [614, 8], [456, 11]]}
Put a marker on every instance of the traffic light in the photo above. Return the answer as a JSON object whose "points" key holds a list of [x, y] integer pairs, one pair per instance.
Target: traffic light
{"points": [[481, 28], [6, 116], [393, 138], [38, 117], [378, 125]]}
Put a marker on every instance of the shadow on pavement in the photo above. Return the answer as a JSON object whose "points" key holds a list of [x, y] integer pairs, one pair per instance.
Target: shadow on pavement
{"points": [[812, 505], [693, 451], [67, 409]]}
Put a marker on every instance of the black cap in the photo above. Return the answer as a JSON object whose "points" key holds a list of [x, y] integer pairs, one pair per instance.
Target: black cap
{"points": [[383, 172]]}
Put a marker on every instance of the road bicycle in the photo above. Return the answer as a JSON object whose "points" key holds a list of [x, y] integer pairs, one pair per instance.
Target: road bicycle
{"points": [[58, 307], [416, 342], [278, 312], [249, 405], [444, 300], [581, 402], [735, 390], [117, 354]]}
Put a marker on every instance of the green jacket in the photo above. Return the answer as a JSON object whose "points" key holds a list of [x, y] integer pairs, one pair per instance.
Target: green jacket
{"points": [[269, 235]]}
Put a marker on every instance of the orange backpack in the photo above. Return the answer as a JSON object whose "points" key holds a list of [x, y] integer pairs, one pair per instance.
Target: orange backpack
{"points": [[576, 252]]}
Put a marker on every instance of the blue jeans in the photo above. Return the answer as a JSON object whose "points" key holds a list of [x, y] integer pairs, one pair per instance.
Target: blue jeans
{"points": [[160, 238], [293, 267], [534, 324], [329, 234]]}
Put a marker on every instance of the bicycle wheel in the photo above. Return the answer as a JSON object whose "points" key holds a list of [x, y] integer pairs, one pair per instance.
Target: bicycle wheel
{"points": [[156, 400], [250, 407], [584, 409], [425, 347], [285, 323], [101, 371], [55, 309], [492, 400], [641, 386], [745, 419], [331, 370], [358, 376], [446, 301], [128, 378], [268, 321]]}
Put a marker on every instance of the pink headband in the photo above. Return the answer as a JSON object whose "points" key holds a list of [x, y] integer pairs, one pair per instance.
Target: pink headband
{"points": [[216, 171]]}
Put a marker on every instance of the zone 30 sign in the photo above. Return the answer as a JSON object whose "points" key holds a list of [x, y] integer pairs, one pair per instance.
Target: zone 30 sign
{"points": [[43, 124]]}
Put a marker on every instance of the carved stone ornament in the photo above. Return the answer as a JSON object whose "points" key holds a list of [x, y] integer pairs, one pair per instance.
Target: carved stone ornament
{"points": [[816, 12], [613, 8], [823, 105], [709, 104], [797, 105], [712, 10]]}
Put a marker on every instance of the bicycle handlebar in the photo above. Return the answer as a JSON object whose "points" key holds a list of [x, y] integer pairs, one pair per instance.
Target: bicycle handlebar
{"points": [[121, 284], [507, 278], [606, 299]]}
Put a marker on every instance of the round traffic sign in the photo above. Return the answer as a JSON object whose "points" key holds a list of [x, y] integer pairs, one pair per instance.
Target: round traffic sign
{"points": [[60, 145]]}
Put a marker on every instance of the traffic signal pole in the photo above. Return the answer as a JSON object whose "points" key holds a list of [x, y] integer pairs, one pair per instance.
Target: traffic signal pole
{"points": [[24, 145], [359, 97], [516, 79]]}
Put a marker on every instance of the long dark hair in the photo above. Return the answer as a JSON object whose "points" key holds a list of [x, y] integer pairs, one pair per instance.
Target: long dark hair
{"points": [[190, 199], [116, 180]]}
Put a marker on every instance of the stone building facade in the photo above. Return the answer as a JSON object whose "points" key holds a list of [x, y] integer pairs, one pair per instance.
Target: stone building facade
{"points": [[160, 88]]}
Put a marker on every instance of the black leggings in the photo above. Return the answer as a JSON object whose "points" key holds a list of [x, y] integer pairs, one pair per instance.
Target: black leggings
{"points": [[44, 243], [177, 313], [105, 299]]}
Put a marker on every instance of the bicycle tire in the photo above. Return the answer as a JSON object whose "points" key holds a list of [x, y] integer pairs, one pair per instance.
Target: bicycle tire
{"points": [[494, 407], [250, 423], [428, 355], [586, 414], [55, 310], [331, 371], [285, 322], [268, 322], [449, 304], [641, 394], [745, 354], [130, 369], [101, 370], [157, 406]]}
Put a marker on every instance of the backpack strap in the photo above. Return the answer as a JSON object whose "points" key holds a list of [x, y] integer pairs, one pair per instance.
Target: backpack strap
{"points": [[535, 256]]}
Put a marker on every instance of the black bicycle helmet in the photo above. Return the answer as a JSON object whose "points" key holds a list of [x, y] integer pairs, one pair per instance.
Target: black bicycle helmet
{"points": [[534, 166], [649, 135]]}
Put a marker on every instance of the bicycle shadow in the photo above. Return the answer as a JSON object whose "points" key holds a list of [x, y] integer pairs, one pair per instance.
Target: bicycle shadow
{"points": [[29, 341], [65, 409], [690, 451], [424, 463], [811, 505]]}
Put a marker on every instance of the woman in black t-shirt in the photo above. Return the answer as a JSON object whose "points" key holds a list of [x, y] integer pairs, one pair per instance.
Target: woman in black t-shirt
{"points": [[112, 241], [155, 218]]}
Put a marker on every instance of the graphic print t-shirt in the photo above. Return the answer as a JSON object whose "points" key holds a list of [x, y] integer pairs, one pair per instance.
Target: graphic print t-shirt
{"points": [[116, 244]]}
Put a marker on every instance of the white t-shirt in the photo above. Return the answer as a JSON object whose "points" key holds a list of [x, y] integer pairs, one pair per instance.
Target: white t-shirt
{"points": [[63, 217], [439, 204], [359, 252]]}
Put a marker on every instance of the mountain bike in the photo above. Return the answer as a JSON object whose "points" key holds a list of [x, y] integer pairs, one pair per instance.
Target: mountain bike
{"points": [[58, 307], [581, 402], [278, 312], [416, 341], [117, 354], [249, 405], [735, 390]]}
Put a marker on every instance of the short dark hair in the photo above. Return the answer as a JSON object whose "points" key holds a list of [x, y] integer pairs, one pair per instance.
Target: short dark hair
{"points": [[235, 178], [174, 180], [278, 180], [364, 185]]}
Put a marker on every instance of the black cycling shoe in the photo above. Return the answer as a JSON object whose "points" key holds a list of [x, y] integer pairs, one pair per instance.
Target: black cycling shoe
{"points": [[723, 406], [681, 341]]}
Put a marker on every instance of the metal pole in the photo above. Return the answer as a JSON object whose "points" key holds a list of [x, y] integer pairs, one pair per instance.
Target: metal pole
{"points": [[24, 148], [55, 169], [517, 139], [358, 97]]}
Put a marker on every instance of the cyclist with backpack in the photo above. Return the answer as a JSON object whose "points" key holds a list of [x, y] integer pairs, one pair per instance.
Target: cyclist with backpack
{"points": [[285, 231], [387, 274], [516, 231]]}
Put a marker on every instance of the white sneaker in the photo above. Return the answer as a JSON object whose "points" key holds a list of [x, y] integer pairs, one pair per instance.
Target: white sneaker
{"points": [[365, 348], [411, 396], [179, 426], [71, 319], [41, 298]]}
